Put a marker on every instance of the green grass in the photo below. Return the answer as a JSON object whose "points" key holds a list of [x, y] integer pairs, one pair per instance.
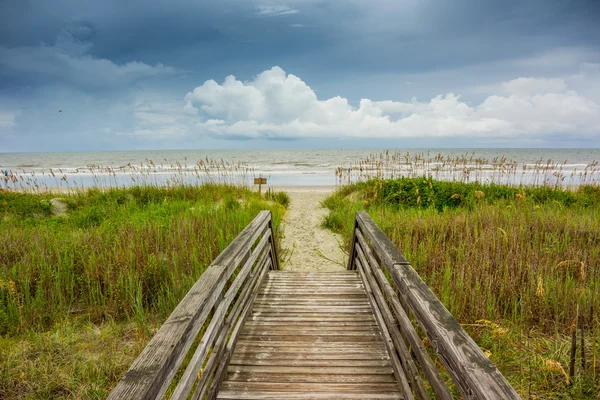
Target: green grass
{"points": [[524, 259], [278, 197], [81, 294]]}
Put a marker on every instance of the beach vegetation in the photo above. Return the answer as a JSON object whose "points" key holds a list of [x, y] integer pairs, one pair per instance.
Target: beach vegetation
{"points": [[279, 197], [81, 293], [518, 266]]}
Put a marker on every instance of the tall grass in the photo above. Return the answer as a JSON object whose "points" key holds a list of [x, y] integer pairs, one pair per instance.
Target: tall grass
{"points": [[501, 259], [469, 167], [148, 173], [117, 264]]}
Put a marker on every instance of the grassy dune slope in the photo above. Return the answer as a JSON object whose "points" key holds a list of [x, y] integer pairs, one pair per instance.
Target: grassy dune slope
{"points": [[82, 293]]}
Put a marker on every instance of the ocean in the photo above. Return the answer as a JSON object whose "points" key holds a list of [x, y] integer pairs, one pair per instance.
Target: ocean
{"points": [[297, 167]]}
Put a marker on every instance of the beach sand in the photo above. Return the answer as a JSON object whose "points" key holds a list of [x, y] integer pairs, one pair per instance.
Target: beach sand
{"points": [[310, 248]]}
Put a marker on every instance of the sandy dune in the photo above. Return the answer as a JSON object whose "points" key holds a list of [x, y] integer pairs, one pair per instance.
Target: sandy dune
{"points": [[310, 247]]}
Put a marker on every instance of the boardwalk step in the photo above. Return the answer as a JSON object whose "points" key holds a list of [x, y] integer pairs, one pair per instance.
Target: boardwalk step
{"points": [[310, 335]]}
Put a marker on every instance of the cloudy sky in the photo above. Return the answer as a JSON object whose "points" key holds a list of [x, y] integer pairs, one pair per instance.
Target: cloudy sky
{"points": [[155, 74]]}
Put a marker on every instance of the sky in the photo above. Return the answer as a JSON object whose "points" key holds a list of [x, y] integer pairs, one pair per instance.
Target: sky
{"points": [[83, 75]]}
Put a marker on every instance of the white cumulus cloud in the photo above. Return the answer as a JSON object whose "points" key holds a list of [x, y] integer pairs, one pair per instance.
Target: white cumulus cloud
{"points": [[278, 105]]}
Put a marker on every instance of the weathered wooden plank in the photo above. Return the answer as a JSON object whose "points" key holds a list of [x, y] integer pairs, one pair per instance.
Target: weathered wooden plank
{"points": [[352, 253], [269, 369], [297, 278], [304, 287], [153, 370], [311, 378], [280, 354], [148, 376], [365, 388], [275, 274], [307, 313], [314, 280], [314, 324], [308, 318], [310, 283], [302, 396], [276, 308], [311, 302], [213, 361], [384, 248], [306, 332], [315, 345], [309, 363], [244, 240], [408, 367], [235, 333], [405, 325], [301, 290], [282, 312], [311, 351], [320, 298], [324, 307], [220, 347], [387, 340], [355, 298], [358, 293], [274, 253], [310, 334], [309, 329], [189, 376], [474, 374], [314, 338]]}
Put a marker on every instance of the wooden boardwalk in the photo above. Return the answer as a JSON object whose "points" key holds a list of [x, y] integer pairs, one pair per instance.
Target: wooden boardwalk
{"points": [[247, 330], [310, 335]]}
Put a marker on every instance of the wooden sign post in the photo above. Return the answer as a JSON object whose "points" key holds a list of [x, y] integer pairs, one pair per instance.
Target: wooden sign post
{"points": [[260, 182]]}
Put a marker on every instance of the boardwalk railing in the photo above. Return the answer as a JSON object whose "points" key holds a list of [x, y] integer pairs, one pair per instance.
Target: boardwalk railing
{"points": [[475, 376], [226, 292]]}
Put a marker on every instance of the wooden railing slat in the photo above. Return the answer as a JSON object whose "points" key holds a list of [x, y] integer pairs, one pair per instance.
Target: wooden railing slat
{"points": [[148, 376], [384, 248], [224, 362], [220, 345], [246, 238], [396, 365], [473, 373], [274, 254], [151, 373], [406, 328], [409, 367], [189, 376]]}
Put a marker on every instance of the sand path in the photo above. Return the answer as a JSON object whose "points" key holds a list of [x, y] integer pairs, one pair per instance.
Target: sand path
{"points": [[310, 248]]}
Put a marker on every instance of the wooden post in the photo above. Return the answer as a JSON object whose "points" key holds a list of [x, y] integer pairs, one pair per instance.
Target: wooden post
{"points": [[260, 181]]}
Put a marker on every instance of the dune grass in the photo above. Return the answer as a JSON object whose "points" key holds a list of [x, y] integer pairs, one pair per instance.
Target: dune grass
{"points": [[82, 293], [515, 266]]}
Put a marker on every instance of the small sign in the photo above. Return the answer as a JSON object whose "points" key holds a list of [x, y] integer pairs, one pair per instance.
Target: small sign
{"points": [[260, 182]]}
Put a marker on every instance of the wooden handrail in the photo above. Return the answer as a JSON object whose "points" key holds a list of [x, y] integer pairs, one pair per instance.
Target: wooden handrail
{"points": [[153, 371], [474, 375]]}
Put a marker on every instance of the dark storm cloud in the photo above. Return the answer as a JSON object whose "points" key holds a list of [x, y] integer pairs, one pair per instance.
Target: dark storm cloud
{"points": [[381, 35], [99, 53]]}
